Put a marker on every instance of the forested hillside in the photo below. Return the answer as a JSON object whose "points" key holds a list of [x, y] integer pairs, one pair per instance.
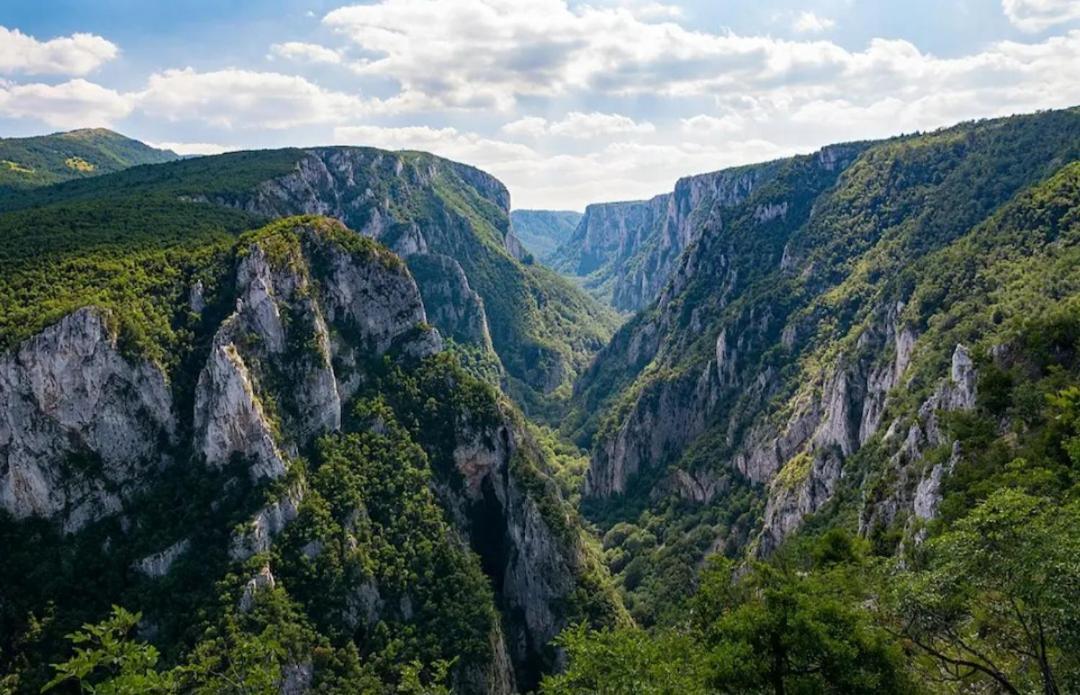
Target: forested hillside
{"points": [[315, 420], [43, 160], [257, 442], [542, 231], [861, 382], [532, 328]]}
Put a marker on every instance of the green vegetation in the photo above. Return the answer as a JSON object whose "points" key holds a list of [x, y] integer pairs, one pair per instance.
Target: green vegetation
{"points": [[543, 231], [392, 577], [972, 234], [544, 329], [40, 161]]}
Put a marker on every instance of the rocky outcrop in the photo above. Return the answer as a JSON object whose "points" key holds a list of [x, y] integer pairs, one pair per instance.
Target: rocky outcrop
{"points": [[533, 558], [662, 422], [255, 536], [363, 187], [80, 423], [261, 582], [918, 491], [627, 250], [280, 333], [451, 303], [456, 217], [159, 564]]}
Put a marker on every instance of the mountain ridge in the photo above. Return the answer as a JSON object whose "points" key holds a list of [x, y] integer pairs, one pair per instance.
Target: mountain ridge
{"points": [[47, 159]]}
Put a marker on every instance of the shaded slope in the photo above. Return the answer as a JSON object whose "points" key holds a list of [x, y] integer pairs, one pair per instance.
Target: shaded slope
{"points": [[306, 468]]}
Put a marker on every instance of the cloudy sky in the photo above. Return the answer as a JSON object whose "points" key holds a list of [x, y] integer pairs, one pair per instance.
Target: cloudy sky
{"points": [[567, 102]]}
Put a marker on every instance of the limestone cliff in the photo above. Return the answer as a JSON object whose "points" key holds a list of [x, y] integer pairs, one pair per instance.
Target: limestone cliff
{"points": [[451, 223], [318, 315], [625, 251], [81, 424], [828, 308]]}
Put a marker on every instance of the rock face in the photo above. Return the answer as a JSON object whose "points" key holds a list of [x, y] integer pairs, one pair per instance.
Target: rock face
{"points": [[451, 223], [314, 308], [159, 564], [280, 334], [534, 565], [452, 304], [785, 330], [80, 423], [627, 250]]}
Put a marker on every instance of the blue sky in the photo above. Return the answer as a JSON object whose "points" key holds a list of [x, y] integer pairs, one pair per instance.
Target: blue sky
{"points": [[567, 102]]}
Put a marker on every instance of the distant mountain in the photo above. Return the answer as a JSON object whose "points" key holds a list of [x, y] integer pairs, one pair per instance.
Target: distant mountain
{"points": [[78, 154], [543, 231], [624, 251]]}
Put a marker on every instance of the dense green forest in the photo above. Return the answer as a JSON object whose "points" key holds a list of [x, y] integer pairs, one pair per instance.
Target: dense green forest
{"points": [[543, 231], [47, 159], [840, 453]]}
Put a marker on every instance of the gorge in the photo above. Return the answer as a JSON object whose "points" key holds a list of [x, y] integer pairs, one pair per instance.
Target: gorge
{"points": [[337, 419]]}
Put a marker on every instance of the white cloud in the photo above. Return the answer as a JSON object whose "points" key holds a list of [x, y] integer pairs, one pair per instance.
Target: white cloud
{"points": [[579, 125], [193, 148], [489, 54], [445, 142], [528, 127], [73, 104], [304, 52], [243, 98], [1038, 15], [810, 23], [77, 54], [645, 9], [561, 180], [711, 126]]}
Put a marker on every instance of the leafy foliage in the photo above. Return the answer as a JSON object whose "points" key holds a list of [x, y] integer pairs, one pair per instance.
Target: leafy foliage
{"points": [[48, 159]]}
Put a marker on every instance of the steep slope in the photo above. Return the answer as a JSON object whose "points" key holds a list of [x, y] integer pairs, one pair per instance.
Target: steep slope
{"points": [[448, 220], [814, 319], [543, 231], [274, 453], [624, 252], [48, 159]]}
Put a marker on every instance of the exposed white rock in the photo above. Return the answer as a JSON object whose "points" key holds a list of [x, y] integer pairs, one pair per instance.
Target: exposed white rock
{"points": [[450, 302], [262, 581], [787, 506], [835, 429], [538, 566], [514, 246], [229, 418], [267, 523], [363, 606], [962, 372], [159, 564], [700, 486], [312, 549], [68, 392], [296, 679], [196, 300], [670, 416], [769, 212]]}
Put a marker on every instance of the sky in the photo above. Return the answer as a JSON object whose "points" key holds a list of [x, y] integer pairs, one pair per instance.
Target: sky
{"points": [[567, 102]]}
